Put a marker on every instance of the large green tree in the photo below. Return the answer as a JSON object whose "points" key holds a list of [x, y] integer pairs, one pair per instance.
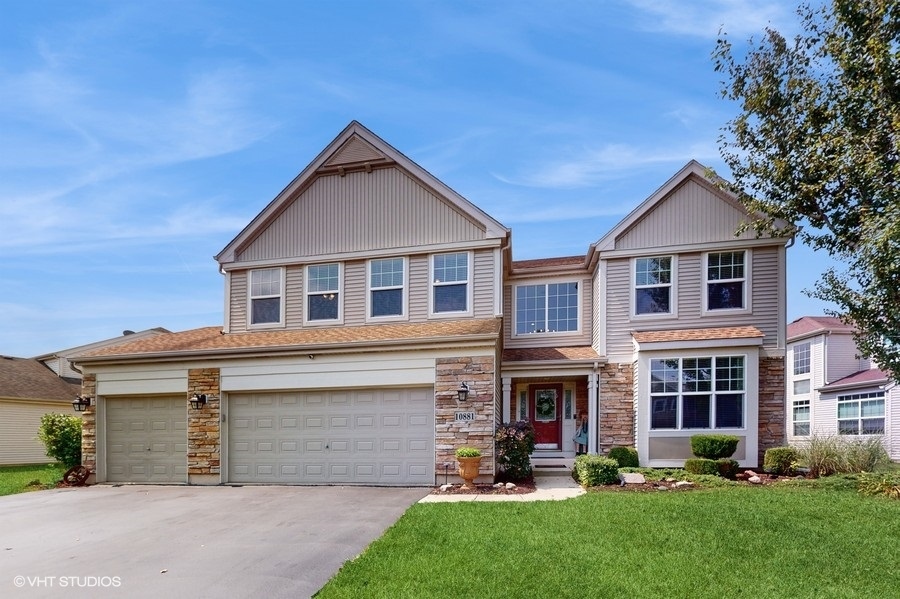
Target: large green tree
{"points": [[817, 144]]}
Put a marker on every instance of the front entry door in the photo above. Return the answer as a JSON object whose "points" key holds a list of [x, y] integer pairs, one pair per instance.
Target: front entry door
{"points": [[546, 415]]}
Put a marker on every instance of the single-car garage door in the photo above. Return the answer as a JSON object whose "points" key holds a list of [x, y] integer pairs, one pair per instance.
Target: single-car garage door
{"points": [[146, 439], [377, 437]]}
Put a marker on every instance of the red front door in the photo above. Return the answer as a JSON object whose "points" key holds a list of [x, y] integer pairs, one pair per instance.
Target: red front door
{"points": [[545, 411]]}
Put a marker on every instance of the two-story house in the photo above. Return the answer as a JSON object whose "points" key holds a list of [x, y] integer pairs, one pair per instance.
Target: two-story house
{"points": [[831, 389], [375, 320]]}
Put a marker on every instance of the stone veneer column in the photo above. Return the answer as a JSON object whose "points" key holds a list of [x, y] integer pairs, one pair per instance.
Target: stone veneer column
{"points": [[480, 374], [616, 406], [204, 428], [89, 426], [772, 409]]}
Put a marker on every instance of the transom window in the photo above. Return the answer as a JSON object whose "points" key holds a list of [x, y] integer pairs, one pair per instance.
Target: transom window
{"points": [[861, 414], [725, 281], [549, 308], [801, 418], [450, 282], [265, 296], [653, 285], [323, 284], [386, 287], [697, 393], [801, 358]]}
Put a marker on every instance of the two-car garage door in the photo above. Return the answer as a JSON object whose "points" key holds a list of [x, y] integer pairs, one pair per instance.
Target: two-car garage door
{"points": [[379, 436]]}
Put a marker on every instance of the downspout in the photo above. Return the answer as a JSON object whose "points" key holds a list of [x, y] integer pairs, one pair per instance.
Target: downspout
{"points": [[593, 409]]}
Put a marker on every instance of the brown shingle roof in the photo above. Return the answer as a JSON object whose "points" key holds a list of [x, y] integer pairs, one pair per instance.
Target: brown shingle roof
{"points": [[806, 325], [211, 339], [697, 334], [26, 378], [873, 376], [537, 354], [548, 262]]}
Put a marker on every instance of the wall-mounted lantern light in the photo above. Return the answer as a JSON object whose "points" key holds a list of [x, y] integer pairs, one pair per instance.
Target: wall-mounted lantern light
{"points": [[462, 393], [80, 403], [198, 401]]}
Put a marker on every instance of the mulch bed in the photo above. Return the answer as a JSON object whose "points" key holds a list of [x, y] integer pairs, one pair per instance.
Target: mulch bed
{"points": [[522, 486]]}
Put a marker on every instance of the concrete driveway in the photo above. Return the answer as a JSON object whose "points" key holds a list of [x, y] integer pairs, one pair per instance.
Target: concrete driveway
{"points": [[171, 541]]}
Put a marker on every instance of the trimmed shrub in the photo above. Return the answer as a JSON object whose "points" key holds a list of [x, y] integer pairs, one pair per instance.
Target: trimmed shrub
{"points": [[780, 461], [887, 484], [514, 444], [61, 435], [627, 457], [865, 455], [701, 466], [713, 447], [728, 468], [595, 470]]}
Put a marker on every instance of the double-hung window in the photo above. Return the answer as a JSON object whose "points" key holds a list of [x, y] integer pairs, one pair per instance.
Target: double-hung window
{"points": [[546, 308], [801, 417], [323, 292], [265, 296], [861, 414], [697, 393], [653, 285], [801, 358], [726, 281], [450, 282], [386, 287]]}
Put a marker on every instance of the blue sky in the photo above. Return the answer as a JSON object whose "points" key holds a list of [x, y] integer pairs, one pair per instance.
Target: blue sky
{"points": [[140, 137]]}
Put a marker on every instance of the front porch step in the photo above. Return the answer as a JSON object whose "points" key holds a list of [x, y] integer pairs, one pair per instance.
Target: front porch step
{"points": [[552, 466]]}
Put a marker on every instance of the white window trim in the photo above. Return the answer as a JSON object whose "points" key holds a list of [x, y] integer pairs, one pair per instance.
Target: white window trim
{"points": [[404, 315], [808, 370], [877, 395], [794, 420], [748, 294], [545, 282], [673, 289], [469, 285], [281, 296], [340, 297]]}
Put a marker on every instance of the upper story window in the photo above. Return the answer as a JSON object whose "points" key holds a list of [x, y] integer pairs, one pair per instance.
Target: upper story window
{"points": [[546, 308], [726, 281], [861, 414], [801, 358], [450, 282], [323, 292], [697, 393], [387, 287], [265, 296], [653, 285]]}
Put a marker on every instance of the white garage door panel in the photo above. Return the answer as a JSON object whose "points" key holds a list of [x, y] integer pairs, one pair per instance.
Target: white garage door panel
{"points": [[344, 437], [146, 439]]}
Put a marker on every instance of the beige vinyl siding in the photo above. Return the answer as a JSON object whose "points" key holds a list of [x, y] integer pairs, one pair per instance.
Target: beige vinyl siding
{"points": [[586, 322], [675, 221], [483, 284], [238, 303], [19, 424], [892, 422], [361, 211], [293, 302], [419, 288], [618, 323], [355, 290]]}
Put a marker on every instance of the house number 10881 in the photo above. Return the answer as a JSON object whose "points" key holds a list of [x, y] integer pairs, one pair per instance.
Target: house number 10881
{"points": [[465, 416]]}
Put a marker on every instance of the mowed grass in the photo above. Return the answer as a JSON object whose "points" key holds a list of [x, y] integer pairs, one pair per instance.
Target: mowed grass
{"points": [[18, 479], [735, 542]]}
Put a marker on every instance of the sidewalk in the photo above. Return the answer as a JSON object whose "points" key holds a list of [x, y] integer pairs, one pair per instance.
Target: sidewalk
{"points": [[549, 488]]}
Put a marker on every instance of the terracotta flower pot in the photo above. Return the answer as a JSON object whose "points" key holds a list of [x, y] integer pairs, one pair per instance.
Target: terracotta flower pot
{"points": [[468, 470]]}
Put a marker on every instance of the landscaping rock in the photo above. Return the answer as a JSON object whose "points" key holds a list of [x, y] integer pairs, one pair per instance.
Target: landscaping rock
{"points": [[510, 486], [756, 480], [632, 478], [683, 483], [445, 488], [498, 485]]}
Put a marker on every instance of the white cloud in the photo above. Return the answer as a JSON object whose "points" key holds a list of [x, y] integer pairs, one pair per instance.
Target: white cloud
{"points": [[739, 18]]}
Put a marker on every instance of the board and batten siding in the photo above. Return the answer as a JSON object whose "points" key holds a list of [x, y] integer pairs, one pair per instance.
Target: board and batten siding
{"points": [[689, 297], [692, 213], [361, 211], [19, 424], [586, 320]]}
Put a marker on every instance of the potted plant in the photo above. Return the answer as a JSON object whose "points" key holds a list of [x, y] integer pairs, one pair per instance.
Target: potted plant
{"points": [[469, 459]]}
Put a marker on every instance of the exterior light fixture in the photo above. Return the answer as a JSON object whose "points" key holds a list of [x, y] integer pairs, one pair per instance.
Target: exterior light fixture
{"points": [[80, 403], [198, 401], [462, 393]]}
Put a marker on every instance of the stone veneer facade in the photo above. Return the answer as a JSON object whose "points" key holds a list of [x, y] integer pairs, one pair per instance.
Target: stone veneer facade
{"points": [[772, 432], [480, 373], [89, 426], [616, 406], [204, 427]]}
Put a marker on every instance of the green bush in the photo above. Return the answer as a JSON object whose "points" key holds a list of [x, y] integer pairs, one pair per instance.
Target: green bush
{"points": [[713, 447], [701, 466], [61, 435], [627, 457], [468, 452], [595, 470], [514, 444], [728, 468], [780, 461], [865, 455], [887, 484]]}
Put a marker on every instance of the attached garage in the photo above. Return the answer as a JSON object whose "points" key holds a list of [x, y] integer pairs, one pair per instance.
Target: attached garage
{"points": [[374, 437], [146, 439]]}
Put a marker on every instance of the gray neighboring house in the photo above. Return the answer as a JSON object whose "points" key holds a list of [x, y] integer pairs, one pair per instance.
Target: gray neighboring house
{"points": [[60, 362]]}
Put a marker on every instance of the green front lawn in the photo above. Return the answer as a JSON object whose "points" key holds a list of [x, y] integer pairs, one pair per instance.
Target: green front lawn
{"points": [[736, 542], [18, 479]]}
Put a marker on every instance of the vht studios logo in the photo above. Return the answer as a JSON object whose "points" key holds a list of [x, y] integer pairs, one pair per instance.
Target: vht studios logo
{"points": [[67, 581]]}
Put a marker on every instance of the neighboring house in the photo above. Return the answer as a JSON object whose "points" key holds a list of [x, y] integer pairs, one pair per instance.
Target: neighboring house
{"points": [[28, 390], [375, 321], [60, 362], [831, 390]]}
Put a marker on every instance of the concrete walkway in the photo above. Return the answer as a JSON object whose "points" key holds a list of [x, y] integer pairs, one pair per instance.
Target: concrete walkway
{"points": [[549, 488]]}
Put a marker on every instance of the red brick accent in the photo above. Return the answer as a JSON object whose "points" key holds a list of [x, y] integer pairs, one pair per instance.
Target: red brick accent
{"points": [[772, 417], [204, 428], [616, 406]]}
